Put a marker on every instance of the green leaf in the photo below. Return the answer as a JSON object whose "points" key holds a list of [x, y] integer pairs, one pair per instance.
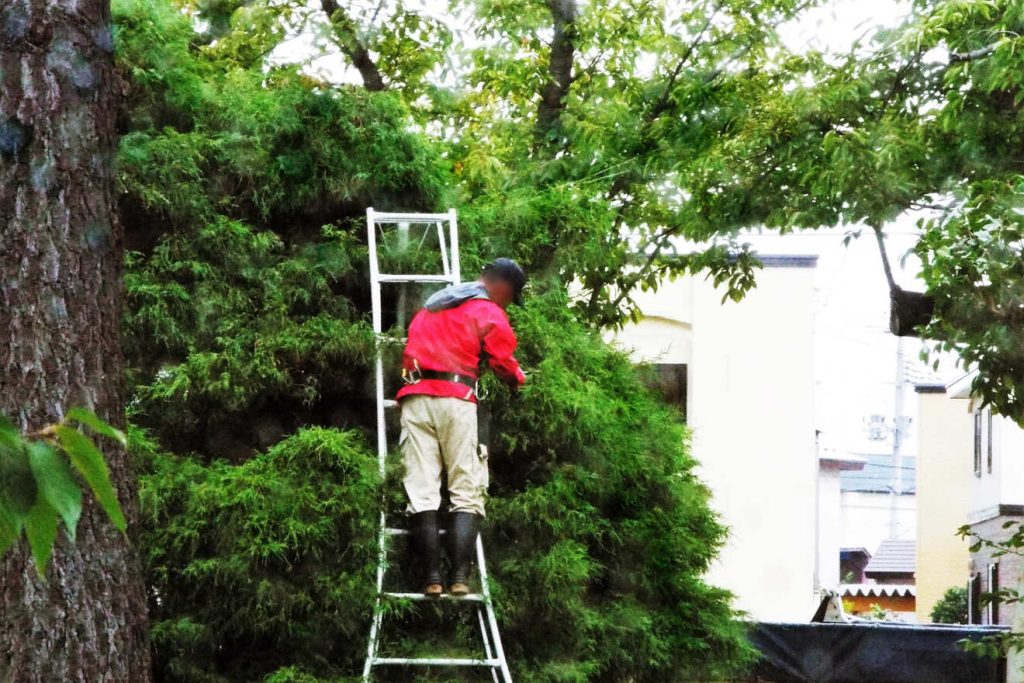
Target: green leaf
{"points": [[56, 485], [10, 527], [17, 484], [41, 529], [88, 460], [90, 420]]}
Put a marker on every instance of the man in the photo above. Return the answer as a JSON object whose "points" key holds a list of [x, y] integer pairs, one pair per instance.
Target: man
{"points": [[459, 328]]}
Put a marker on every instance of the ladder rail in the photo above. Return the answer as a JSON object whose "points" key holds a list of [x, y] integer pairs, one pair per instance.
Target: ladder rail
{"points": [[488, 650], [492, 620], [445, 265]]}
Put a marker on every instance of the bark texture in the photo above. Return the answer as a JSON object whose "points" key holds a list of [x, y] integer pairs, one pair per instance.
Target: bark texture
{"points": [[61, 253], [347, 39], [560, 67]]}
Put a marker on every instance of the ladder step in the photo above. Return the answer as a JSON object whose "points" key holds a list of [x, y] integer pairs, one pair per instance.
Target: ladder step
{"points": [[434, 661], [397, 217], [402, 277], [390, 531], [420, 597]]}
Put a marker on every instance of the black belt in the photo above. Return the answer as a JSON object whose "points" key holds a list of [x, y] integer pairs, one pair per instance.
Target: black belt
{"points": [[464, 380]]}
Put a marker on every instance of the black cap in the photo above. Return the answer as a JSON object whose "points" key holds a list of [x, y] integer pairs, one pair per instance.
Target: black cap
{"points": [[509, 271]]}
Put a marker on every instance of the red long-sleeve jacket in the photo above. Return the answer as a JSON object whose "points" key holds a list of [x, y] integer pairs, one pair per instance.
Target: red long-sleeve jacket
{"points": [[452, 340]]}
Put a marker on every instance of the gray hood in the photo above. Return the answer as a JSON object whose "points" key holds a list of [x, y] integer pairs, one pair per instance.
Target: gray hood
{"points": [[453, 296]]}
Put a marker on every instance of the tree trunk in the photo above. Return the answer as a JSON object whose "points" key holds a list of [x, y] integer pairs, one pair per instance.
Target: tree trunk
{"points": [[61, 251]]}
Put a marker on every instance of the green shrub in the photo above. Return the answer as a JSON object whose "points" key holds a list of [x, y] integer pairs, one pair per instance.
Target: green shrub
{"points": [[951, 608], [256, 565], [249, 350]]}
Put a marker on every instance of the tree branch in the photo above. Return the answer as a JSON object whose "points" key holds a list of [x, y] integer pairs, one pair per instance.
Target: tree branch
{"points": [[880, 238], [358, 54], [662, 104], [560, 67], [980, 53]]}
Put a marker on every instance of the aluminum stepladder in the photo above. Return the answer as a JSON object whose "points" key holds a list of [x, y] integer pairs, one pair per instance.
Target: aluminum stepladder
{"points": [[494, 659]]}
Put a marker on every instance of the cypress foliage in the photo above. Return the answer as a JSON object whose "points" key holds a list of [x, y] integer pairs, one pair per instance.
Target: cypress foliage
{"points": [[249, 346]]}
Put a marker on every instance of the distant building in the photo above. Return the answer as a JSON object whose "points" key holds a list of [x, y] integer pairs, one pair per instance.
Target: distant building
{"points": [[881, 581], [789, 394], [863, 599], [852, 563], [945, 435], [894, 562], [985, 491]]}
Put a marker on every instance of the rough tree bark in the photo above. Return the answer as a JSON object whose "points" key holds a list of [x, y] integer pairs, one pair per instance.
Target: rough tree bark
{"points": [[560, 67], [60, 304]]}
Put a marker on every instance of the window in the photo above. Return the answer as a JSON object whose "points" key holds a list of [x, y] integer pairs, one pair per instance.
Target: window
{"points": [[973, 599], [988, 444], [993, 586], [977, 443], [669, 381]]}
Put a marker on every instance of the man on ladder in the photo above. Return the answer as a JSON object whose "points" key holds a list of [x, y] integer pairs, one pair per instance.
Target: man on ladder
{"points": [[458, 328]]}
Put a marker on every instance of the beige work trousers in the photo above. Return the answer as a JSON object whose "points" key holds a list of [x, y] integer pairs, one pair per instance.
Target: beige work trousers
{"points": [[438, 431]]}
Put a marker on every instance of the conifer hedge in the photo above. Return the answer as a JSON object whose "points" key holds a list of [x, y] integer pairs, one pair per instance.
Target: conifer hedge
{"points": [[243, 193]]}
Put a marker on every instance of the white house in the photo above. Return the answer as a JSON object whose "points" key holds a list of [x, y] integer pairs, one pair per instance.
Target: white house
{"points": [[782, 392]]}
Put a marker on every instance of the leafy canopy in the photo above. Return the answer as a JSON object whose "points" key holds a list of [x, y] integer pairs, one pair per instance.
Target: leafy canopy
{"points": [[923, 119]]}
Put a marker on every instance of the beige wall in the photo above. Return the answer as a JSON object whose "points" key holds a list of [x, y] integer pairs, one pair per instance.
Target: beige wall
{"points": [[1001, 486], [944, 467], [664, 332], [656, 340], [867, 519], [751, 409], [829, 527]]}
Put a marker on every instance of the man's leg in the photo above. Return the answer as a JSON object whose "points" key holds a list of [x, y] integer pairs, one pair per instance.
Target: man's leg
{"points": [[421, 455], [467, 484]]}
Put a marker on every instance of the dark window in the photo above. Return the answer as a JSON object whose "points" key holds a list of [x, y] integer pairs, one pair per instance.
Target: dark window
{"points": [[669, 381], [973, 599], [993, 587], [988, 444], [977, 443]]}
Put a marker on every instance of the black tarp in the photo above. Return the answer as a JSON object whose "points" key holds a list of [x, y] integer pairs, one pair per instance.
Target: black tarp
{"points": [[871, 652]]}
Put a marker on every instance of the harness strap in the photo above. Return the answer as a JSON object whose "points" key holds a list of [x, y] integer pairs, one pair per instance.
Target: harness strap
{"points": [[464, 380]]}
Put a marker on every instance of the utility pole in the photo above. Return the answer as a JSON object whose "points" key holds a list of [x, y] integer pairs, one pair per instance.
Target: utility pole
{"points": [[899, 421]]}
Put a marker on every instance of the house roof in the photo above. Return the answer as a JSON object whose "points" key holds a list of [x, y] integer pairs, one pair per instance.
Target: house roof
{"points": [[879, 475], [894, 557], [961, 387], [878, 590], [841, 464]]}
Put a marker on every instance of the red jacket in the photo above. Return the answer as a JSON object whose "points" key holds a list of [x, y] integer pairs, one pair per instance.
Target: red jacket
{"points": [[451, 340]]}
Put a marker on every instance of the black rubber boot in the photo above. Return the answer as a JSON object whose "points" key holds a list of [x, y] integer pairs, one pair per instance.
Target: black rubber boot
{"points": [[427, 544], [462, 531]]}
